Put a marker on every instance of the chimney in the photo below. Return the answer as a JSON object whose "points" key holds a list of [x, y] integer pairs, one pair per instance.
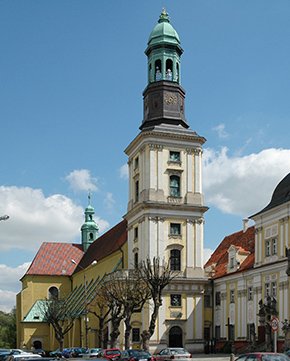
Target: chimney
{"points": [[245, 224]]}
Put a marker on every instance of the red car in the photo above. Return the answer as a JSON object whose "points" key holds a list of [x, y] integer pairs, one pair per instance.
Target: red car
{"points": [[110, 353], [263, 356]]}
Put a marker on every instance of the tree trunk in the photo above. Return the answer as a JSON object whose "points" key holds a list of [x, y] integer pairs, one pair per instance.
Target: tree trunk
{"points": [[101, 332], [127, 333], [146, 334]]}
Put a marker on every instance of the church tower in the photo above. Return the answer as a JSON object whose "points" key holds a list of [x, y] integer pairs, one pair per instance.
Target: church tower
{"points": [[89, 229], [166, 206]]}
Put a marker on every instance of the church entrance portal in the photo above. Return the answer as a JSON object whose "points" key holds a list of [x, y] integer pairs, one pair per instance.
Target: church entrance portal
{"points": [[175, 337], [37, 345]]}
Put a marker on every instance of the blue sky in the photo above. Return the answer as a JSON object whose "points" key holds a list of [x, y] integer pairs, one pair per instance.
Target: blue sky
{"points": [[71, 80]]}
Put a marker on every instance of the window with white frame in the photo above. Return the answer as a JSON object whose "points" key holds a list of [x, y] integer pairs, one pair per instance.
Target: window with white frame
{"points": [[267, 289], [274, 289], [232, 296], [217, 298], [174, 156], [174, 186], [274, 246], [268, 248], [271, 247], [250, 293], [175, 229]]}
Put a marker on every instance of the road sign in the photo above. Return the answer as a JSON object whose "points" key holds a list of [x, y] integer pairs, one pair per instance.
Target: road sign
{"points": [[275, 323]]}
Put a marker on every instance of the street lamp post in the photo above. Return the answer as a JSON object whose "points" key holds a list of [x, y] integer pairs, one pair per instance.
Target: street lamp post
{"points": [[4, 218], [86, 301]]}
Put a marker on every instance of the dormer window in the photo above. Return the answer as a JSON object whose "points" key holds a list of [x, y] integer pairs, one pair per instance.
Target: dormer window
{"points": [[236, 256]]}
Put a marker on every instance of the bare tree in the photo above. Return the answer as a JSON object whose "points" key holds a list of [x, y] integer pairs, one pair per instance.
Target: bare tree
{"points": [[57, 313], [157, 275], [129, 290]]}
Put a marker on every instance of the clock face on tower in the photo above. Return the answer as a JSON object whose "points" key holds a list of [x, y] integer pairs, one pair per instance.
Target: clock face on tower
{"points": [[170, 98]]}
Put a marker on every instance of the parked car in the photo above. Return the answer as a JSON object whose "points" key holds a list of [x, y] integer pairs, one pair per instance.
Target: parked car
{"points": [[72, 352], [110, 353], [22, 357], [39, 351], [171, 353], [92, 352], [136, 355], [55, 353], [263, 356]]}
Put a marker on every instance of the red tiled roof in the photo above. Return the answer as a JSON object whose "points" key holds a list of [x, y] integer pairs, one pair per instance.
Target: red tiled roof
{"points": [[55, 259], [105, 245], [245, 241]]}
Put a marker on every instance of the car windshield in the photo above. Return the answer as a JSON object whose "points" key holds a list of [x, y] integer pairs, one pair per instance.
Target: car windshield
{"points": [[113, 352], [274, 358], [178, 351]]}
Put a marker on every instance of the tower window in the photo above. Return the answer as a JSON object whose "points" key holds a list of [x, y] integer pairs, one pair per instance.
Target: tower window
{"points": [[135, 334], [175, 229], [91, 236], [175, 300], [136, 163], [136, 233], [158, 70], [174, 156], [175, 260], [169, 75], [174, 186], [136, 260], [137, 191]]}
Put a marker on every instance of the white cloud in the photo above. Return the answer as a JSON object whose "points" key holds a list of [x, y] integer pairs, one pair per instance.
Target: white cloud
{"points": [[35, 218], [7, 300], [109, 201], [9, 277], [10, 285], [243, 185], [82, 180], [220, 129], [124, 171]]}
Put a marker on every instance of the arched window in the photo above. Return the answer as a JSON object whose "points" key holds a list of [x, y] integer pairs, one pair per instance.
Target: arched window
{"points": [[91, 236], [150, 73], [53, 293], [174, 186], [175, 260], [177, 73], [136, 260], [158, 70], [169, 75]]}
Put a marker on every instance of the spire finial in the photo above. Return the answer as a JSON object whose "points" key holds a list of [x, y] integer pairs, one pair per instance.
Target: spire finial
{"points": [[89, 198], [164, 16]]}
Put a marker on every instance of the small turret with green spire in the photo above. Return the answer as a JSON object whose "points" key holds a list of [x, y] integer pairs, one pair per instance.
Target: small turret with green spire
{"points": [[89, 229]]}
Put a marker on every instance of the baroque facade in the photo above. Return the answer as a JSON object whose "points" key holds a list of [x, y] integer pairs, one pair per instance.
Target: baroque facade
{"points": [[221, 302], [164, 219]]}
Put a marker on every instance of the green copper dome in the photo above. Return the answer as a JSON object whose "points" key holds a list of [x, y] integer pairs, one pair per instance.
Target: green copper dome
{"points": [[163, 32]]}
